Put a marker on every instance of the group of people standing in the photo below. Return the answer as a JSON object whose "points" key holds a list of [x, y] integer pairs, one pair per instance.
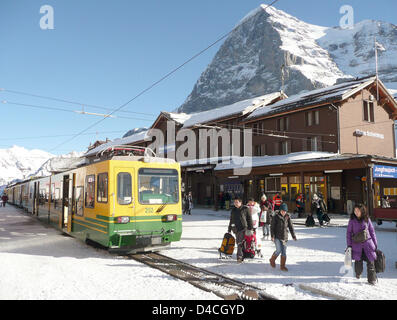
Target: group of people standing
{"points": [[272, 215]]}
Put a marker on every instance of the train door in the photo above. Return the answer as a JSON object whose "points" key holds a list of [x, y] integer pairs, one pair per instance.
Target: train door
{"points": [[123, 197], [37, 199], [34, 198], [65, 201], [71, 199]]}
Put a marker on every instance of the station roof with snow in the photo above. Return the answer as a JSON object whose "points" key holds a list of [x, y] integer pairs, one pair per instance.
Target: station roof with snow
{"points": [[338, 92]]}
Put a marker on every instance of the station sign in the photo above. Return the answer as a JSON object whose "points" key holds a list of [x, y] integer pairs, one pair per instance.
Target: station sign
{"points": [[385, 171]]}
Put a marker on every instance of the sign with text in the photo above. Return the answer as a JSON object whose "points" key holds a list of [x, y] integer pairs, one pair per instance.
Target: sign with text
{"points": [[385, 171]]}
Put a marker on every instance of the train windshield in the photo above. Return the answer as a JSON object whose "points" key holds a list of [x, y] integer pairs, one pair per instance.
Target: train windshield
{"points": [[158, 186]]}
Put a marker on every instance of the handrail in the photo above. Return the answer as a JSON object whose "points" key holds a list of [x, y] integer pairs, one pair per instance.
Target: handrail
{"points": [[148, 152]]}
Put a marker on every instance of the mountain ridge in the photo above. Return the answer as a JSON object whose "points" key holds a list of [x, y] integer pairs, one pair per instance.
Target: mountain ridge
{"points": [[248, 63]]}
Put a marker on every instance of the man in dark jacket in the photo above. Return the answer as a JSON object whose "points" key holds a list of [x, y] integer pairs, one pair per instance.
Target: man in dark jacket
{"points": [[281, 222], [240, 223]]}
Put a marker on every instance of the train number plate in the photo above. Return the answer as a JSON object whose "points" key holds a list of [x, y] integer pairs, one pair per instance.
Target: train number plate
{"points": [[156, 240]]}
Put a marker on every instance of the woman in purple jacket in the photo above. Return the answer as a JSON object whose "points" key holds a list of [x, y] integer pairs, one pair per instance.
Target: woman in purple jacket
{"points": [[361, 238]]}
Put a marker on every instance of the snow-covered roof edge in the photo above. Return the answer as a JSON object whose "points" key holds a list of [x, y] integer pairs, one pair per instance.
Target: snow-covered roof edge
{"points": [[130, 139], [242, 107]]}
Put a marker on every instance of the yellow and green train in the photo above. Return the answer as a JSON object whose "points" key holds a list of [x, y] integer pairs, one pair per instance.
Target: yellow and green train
{"points": [[128, 204]]}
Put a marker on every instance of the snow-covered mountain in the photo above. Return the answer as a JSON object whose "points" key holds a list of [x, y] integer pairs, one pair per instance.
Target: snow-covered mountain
{"points": [[248, 64], [18, 163], [59, 163], [134, 131]]}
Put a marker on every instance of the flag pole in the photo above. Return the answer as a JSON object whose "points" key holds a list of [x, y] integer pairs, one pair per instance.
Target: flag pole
{"points": [[376, 64]]}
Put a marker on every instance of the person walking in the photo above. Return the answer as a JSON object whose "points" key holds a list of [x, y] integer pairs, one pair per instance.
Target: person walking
{"points": [[300, 204], [5, 199], [316, 208], [254, 209], [361, 238], [277, 200], [281, 222], [188, 203], [240, 223], [385, 202], [265, 216]]}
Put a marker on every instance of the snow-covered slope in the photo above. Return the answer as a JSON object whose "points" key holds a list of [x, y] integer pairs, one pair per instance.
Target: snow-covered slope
{"points": [[19, 163], [248, 64], [60, 163]]}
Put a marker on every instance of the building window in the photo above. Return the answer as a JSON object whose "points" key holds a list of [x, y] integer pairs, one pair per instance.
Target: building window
{"points": [[102, 194], [309, 119], [314, 144], [368, 111], [255, 129], [260, 150], [285, 147], [312, 118], [273, 185], [90, 191], [316, 117], [283, 124]]}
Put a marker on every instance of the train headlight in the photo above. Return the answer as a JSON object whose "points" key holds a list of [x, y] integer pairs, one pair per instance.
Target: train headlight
{"points": [[170, 217], [123, 219]]}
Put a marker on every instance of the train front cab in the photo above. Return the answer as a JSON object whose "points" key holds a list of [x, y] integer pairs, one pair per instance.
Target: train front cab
{"points": [[145, 205]]}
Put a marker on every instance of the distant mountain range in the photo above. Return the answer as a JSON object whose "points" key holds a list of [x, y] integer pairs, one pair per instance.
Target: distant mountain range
{"points": [[249, 62], [18, 163]]}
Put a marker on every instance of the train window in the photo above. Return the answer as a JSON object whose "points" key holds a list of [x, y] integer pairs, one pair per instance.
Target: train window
{"points": [[79, 209], [53, 192], [57, 204], [42, 197], [102, 195], [158, 186], [90, 191], [124, 188]]}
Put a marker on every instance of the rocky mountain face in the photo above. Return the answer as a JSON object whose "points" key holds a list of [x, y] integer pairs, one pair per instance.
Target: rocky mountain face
{"points": [[249, 63]]}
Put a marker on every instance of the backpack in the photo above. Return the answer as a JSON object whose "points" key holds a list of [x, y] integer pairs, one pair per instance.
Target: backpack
{"points": [[380, 262], [227, 246], [310, 221]]}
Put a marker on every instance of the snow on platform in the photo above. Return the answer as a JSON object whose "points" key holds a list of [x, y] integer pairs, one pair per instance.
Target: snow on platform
{"points": [[314, 261], [41, 263]]}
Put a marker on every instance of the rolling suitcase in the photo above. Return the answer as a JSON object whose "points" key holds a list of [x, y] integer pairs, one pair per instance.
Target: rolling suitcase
{"points": [[227, 246]]}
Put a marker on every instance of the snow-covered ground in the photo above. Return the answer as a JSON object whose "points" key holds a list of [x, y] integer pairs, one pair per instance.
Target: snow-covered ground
{"points": [[39, 262]]}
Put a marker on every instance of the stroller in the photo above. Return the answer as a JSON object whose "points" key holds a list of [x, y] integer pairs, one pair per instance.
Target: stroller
{"points": [[250, 247]]}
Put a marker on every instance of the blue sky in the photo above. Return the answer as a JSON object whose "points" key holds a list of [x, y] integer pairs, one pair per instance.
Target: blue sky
{"points": [[104, 52]]}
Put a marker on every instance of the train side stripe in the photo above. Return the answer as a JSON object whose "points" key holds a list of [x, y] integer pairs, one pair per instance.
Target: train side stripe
{"points": [[90, 226]]}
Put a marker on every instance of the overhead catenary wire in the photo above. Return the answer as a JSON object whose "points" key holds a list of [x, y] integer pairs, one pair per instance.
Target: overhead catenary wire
{"points": [[154, 84], [70, 102], [62, 135], [67, 110]]}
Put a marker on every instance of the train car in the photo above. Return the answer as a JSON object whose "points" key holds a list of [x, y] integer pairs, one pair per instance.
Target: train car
{"points": [[128, 204]]}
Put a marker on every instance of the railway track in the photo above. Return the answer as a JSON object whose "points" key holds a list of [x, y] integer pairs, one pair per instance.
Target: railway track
{"points": [[224, 287]]}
